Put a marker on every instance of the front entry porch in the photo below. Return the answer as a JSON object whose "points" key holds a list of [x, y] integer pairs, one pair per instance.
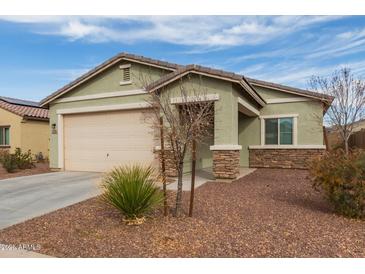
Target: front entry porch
{"points": [[203, 176], [226, 151]]}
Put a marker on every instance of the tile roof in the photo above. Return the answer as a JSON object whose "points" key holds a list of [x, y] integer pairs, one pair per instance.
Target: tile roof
{"points": [[27, 109], [287, 88], [215, 72], [183, 69], [19, 101], [179, 69], [120, 56]]}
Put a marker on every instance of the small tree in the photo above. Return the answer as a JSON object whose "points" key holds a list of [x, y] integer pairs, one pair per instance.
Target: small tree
{"points": [[188, 116], [349, 100]]}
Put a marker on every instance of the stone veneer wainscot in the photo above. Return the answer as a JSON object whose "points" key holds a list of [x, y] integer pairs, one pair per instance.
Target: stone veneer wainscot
{"points": [[283, 158]]}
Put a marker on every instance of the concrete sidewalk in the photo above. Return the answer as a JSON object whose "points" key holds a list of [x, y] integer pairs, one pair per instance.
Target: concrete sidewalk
{"points": [[21, 254], [203, 176]]}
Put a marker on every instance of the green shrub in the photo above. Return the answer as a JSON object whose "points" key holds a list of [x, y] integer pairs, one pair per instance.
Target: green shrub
{"points": [[24, 160], [3, 154], [131, 190], [16, 160], [9, 162], [341, 178]]}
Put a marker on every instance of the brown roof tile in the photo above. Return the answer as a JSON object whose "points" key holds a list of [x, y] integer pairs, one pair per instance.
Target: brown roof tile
{"points": [[295, 90], [179, 69], [207, 70], [25, 111], [123, 55]]}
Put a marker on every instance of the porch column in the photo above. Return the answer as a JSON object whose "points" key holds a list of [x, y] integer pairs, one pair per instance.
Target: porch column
{"points": [[226, 151]]}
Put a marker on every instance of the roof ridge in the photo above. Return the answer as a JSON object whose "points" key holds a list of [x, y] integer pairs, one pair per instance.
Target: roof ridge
{"points": [[177, 68], [193, 68], [171, 66]]}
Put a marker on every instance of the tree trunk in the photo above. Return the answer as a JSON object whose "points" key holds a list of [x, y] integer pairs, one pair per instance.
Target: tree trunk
{"points": [[179, 190], [347, 146], [163, 169], [192, 190]]}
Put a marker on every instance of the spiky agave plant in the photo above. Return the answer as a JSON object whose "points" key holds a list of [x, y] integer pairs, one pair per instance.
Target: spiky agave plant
{"points": [[132, 191]]}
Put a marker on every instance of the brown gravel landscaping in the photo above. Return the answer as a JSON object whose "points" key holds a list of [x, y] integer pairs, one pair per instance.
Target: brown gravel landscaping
{"points": [[38, 169], [269, 213]]}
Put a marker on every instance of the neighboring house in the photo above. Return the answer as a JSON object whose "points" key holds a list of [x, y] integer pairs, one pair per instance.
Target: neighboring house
{"points": [[97, 120], [335, 140], [23, 124]]}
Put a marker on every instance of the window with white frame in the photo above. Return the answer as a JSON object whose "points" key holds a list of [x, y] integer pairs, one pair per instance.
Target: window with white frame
{"points": [[4, 136], [279, 131]]}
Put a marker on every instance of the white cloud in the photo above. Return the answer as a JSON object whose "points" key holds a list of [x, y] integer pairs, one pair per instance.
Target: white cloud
{"points": [[75, 30], [284, 61], [298, 73], [208, 31]]}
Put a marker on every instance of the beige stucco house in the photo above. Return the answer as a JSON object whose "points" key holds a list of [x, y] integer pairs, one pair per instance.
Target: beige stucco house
{"points": [[97, 120], [335, 140], [24, 124]]}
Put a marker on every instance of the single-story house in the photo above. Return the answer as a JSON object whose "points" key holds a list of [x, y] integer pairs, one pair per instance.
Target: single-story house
{"points": [[25, 125], [97, 120], [335, 140]]}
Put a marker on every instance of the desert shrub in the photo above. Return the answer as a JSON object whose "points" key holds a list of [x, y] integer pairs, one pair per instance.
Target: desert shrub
{"points": [[9, 162], [132, 191], [16, 160], [341, 179], [23, 160], [3, 154]]}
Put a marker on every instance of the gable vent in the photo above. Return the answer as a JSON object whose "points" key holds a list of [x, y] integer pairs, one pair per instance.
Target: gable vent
{"points": [[126, 74]]}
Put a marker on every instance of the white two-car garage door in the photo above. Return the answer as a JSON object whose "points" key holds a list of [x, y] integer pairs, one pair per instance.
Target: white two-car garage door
{"points": [[101, 140]]}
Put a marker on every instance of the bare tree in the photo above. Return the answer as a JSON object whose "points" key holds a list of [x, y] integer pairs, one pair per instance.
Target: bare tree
{"points": [[188, 116], [349, 100]]}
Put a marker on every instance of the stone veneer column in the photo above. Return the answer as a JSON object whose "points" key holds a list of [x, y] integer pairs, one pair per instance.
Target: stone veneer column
{"points": [[170, 168], [226, 161]]}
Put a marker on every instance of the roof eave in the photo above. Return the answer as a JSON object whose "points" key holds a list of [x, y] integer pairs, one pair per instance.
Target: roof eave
{"points": [[321, 97], [241, 82], [27, 117], [105, 65]]}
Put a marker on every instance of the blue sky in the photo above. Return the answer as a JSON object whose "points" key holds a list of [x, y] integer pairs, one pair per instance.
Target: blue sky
{"points": [[39, 54]]}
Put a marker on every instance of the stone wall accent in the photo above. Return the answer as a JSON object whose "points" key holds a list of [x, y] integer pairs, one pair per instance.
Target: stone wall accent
{"points": [[169, 163], [226, 164], [283, 158]]}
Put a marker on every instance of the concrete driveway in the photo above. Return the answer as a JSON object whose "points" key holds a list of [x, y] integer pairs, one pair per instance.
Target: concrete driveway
{"points": [[23, 198]]}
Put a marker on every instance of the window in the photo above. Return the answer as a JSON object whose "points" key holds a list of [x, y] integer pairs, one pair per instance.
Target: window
{"points": [[4, 136], [279, 131]]}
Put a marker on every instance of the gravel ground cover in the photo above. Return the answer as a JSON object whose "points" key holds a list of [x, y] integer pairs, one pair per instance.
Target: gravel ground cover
{"points": [[269, 213], [38, 169]]}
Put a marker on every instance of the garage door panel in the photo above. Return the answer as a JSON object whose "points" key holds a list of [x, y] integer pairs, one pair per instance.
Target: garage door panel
{"points": [[100, 141]]}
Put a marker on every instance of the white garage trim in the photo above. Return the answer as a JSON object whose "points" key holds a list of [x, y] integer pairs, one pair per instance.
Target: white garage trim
{"points": [[60, 141], [61, 112], [104, 108]]}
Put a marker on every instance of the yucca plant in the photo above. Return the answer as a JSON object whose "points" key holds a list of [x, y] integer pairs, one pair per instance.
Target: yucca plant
{"points": [[132, 191]]}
